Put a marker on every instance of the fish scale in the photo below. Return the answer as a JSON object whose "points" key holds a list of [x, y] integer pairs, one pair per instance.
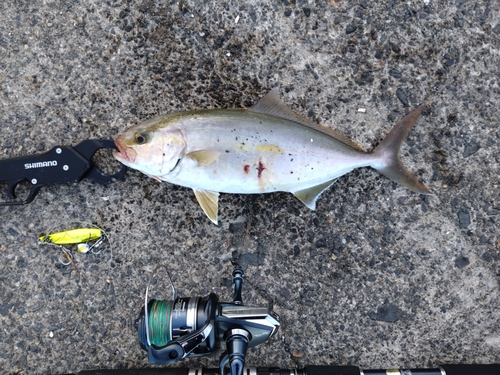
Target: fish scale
{"points": [[264, 149], [259, 159]]}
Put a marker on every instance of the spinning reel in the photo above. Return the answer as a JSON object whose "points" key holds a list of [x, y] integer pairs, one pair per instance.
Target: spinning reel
{"points": [[171, 330]]}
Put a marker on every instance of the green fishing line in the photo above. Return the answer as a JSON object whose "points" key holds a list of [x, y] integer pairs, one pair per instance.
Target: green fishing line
{"points": [[159, 322]]}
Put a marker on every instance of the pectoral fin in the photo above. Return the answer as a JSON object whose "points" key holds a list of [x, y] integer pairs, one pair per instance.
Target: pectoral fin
{"points": [[309, 195], [209, 202], [203, 157]]}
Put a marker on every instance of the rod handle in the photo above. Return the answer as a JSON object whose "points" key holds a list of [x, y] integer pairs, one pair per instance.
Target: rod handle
{"points": [[471, 369]]}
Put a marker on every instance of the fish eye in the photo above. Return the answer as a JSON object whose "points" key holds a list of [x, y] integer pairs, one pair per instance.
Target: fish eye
{"points": [[141, 137]]}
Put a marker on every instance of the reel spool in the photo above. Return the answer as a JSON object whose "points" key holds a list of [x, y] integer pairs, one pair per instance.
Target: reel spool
{"points": [[170, 330], [178, 329]]}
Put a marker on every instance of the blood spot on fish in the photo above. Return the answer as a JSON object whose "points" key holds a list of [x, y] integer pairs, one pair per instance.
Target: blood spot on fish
{"points": [[246, 168], [260, 169]]}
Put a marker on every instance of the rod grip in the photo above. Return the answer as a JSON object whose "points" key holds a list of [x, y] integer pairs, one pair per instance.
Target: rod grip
{"points": [[471, 369], [149, 371], [332, 370]]}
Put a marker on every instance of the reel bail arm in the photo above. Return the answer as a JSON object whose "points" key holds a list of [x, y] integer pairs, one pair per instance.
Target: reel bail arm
{"points": [[191, 327]]}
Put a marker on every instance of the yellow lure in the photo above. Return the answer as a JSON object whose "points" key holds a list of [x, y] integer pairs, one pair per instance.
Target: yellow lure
{"points": [[72, 236]]}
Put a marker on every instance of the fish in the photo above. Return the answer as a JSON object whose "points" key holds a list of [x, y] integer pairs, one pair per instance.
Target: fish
{"points": [[263, 149]]}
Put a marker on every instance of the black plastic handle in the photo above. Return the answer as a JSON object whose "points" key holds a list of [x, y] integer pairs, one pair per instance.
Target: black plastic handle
{"points": [[62, 164], [59, 165]]}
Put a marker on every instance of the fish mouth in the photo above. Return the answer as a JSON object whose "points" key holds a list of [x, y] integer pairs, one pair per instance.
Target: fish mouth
{"points": [[125, 155]]}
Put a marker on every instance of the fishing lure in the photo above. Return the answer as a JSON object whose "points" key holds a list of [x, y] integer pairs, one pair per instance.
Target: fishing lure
{"points": [[72, 236]]}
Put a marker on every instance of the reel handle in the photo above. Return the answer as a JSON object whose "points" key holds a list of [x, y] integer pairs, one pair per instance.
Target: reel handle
{"points": [[238, 286], [171, 330]]}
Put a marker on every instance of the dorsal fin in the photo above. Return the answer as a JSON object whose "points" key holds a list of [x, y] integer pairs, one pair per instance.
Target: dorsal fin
{"points": [[271, 104]]}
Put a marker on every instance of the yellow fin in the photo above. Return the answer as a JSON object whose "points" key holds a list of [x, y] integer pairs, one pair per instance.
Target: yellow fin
{"points": [[209, 202], [309, 195], [203, 157], [72, 236]]}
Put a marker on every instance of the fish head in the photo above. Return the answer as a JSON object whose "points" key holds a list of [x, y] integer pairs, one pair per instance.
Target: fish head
{"points": [[151, 149]]}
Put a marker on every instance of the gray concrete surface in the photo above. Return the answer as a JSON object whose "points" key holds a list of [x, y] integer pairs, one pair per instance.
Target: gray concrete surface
{"points": [[377, 276]]}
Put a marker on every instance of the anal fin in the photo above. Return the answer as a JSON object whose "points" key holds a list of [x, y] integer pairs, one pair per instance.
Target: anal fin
{"points": [[209, 202], [310, 195]]}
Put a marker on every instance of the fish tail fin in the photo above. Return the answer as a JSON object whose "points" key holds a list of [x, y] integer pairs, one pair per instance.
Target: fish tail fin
{"points": [[387, 154]]}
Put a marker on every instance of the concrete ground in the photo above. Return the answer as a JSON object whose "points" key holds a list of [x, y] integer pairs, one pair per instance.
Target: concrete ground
{"points": [[377, 276]]}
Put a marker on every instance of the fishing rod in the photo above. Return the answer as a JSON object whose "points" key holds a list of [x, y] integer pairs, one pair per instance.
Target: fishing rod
{"points": [[186, 327], [456, 369]]}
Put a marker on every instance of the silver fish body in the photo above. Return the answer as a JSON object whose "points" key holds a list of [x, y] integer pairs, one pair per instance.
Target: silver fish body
{"points": [[258, 153], [264, 149]]}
